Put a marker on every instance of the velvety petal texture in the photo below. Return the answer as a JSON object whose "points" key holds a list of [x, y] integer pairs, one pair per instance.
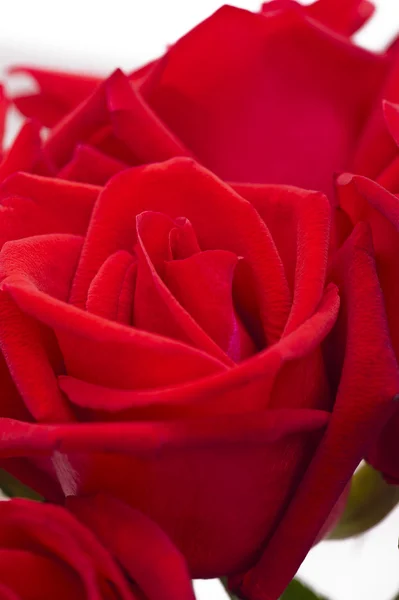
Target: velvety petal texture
{"points": [[45, 553], [365, 200], [285, 98], [170, 350], [199, 334]]}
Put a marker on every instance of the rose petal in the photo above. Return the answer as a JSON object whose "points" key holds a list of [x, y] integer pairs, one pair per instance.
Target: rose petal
{"points": [[299, 222], [39, 572], [52, 531], [139, 545], [369, 381], [384, 454], [266, 108], [389, 177], [114, 113], [179, 188], [30, 350], [344, 16], [135, 124], [32, 205], [7, 594], [147, 438], [111, 292], [59, 92], [108, 353], [203, 285], [391, 114], [155, 308], [363, 199], [3, 114], [244, 389], [25, 154], [89, 165], [249, 461], [376, 147]]}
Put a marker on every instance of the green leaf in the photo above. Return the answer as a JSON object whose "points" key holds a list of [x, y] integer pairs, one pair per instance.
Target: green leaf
{"points": [[13, 488], [298, 591], [370, 500]]}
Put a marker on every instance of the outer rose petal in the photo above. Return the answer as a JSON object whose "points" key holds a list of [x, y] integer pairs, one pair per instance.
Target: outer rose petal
{"points": [[174, 465], [384, 454], [225, 453], [241, 390], [299, 222], [344, 16], [369, 381], [3, 113], [26, 153], [32, 205], [194, 423], [32, 363], [226, 115], [114, 118], [376, 147], [60, 92], [258, 116], [388, 177], [108, 353], [363, 199], [75, 561], [144, 551], [90, 165]]}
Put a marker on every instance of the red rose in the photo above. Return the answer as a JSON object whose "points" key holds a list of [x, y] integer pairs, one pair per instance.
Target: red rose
{"points": [[46, 553], [362, 199], [273, 97], [172, 355]]}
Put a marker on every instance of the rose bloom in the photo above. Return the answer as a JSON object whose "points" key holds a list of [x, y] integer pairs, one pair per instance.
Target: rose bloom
{"points": [[46, 553], [190, 346], [376, 202], [281, 96], [163, 341]]}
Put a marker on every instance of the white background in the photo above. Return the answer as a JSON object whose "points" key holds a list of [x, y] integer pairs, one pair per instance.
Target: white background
{"points": [[100, 35]]}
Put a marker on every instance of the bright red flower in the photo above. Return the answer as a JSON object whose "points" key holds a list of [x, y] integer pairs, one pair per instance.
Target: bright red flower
{"points": [[174, 340], [168, 349]]}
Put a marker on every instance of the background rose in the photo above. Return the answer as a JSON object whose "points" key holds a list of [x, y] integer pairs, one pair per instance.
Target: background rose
{"points": [[46, 553], [175, 348], [283, 99], [362, 199]]}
